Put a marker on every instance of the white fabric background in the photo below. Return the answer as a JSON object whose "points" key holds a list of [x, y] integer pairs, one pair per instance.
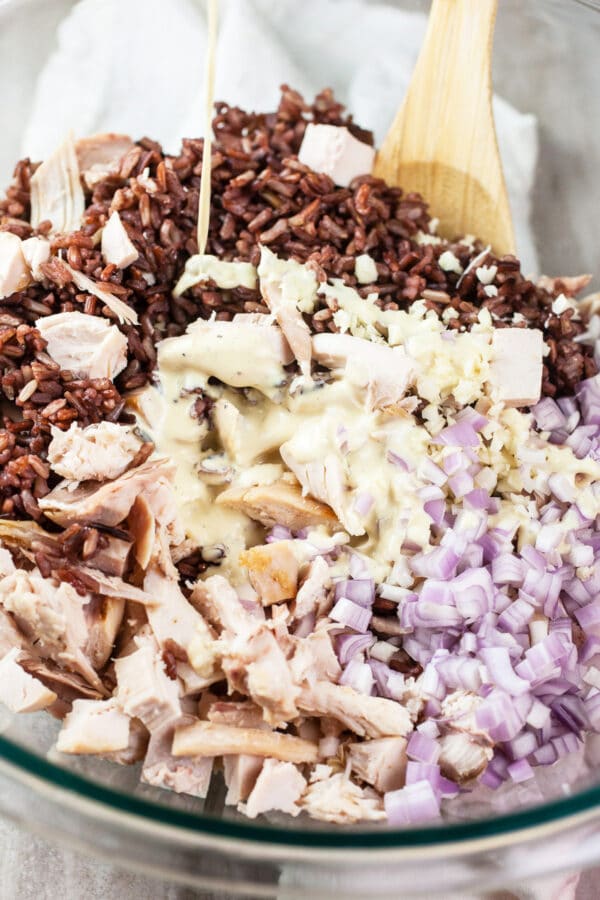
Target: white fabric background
{"points": [[262, 44]]}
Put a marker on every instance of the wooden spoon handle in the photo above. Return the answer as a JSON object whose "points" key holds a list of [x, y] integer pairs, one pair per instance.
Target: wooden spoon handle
{"points": [[443, 141], [452, 78]]}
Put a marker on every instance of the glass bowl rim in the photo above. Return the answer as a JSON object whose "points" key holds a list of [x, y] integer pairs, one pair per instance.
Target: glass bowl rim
{"points": [[26, 764]]}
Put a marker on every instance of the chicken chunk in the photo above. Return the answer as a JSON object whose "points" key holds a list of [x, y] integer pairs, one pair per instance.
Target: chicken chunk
{"points": [[273, 572], [312, 593], [240, 773], [145, 691], [381, 763], [97, 452], [384, 372], [279, 786], [100, 155], [458, 712], [14, 271], [209, 739], [108, 504], [36, 251], [19, 690], [94, 726], [257, 665], [10, 636], [333, 150], [325, 480], [462, 757], [335, 798], [240, 714], [516, 367], [110, 556], [104, 616], [56, 192], [142, 527], [282, 286], [239, 354], [136, 748], [68, 686], [53, 615], [84, 344], [181, 774], [280, 503], [314, 659], [221, 606], [176, 624], [373, 716], [124, 313], [250, 655], [117, 247]]}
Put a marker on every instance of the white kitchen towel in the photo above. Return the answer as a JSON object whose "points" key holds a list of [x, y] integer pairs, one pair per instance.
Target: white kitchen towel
{"points": [[137, 66]]}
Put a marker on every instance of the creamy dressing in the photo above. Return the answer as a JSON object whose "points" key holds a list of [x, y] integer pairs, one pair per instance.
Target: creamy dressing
{"points": [[226, 275], [365, 462], [329, 421]]}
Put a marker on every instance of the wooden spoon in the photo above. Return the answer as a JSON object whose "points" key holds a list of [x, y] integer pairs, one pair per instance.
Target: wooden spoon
{"points": [[443, 140]]}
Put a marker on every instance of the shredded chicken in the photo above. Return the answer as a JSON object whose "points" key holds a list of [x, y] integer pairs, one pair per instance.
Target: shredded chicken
{"points": [[176, 624], [56, 192], [145, 691], [240, 773], [36, 251], [381, 763], [85, 344], [364, 715], [385, 372], [104, 616], [314, 659], [182, 774], [240, 714], [280, 503], [124, 313], [94, 726], [108, 504], [20, 691], [250, 655], [570, 284], [109, 557], [273, 571], [142, 527], [97, 452], [136, 748], [68, 686], [462, 757], [325, 480], [210, 739], [14, 271], [279, 786], [54, 616], [312, 593], [335, 798], [278, 291], [117, 246], [100, 155]]}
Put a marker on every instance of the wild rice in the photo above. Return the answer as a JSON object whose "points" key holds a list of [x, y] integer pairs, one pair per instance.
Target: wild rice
{"points": [[260, 194]]}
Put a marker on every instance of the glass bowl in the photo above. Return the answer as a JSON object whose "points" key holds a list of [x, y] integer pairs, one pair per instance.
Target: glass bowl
{"points": [[544, 64]]}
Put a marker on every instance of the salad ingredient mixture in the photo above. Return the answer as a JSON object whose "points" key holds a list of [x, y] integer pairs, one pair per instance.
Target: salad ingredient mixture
{"points": [[315, 509]]}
